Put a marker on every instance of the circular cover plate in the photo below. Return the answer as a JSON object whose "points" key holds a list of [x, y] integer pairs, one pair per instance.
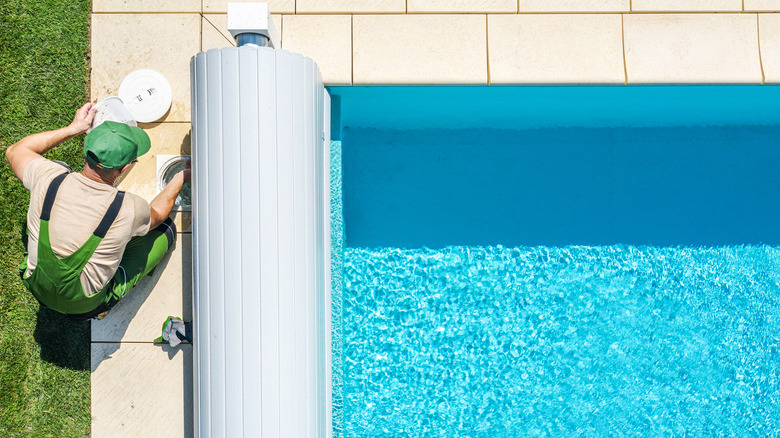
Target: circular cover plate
{"points": [[111, 108], [146, 94], [170, 167]]}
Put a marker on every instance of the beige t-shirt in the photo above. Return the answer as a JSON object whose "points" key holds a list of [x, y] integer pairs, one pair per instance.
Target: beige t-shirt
{"points": [[78, 209]]}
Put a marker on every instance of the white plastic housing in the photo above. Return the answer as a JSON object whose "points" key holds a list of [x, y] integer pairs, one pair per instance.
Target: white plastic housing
{"points": [[252, 18], [261, 245]]}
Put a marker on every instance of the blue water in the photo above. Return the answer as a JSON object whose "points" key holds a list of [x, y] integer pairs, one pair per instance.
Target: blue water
{"points": [[573, 341], [565, 261], [566, 186]]}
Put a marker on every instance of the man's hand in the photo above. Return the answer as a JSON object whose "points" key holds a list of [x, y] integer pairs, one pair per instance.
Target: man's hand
{"points": [[34, 146], [83, 119], [187, 172]]}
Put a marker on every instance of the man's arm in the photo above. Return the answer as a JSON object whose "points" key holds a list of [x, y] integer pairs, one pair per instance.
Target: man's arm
{"points": [[34, 146], [163, 203]]}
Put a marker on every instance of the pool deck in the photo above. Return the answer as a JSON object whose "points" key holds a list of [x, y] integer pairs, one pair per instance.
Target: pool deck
{"points": [[139, 388], [143, 389]]}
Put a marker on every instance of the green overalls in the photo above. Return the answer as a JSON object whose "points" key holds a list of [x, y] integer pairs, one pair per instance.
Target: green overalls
{"points": [[56, 282]]}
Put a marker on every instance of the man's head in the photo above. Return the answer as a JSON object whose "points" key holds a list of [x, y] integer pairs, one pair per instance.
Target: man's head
{"points": [[112, 145]]}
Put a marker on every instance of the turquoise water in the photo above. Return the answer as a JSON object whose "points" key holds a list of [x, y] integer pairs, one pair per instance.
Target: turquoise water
{"points": [[572, 341], [337, 289], [558, 262]]}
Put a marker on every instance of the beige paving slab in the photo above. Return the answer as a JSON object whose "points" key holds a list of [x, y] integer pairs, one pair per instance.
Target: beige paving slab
{"points": [[769, 30], [762, 5], [327, 39], [141, 179], [168, 138], [145, 6], [211, 37], [555, 48], [691, 48], [183, 221], [419, 49], [482, 6], [138, 317], [686, 5], [275, 6], [122, 43], [215, 25], [574, 5], [350, 6], [141, 390]]}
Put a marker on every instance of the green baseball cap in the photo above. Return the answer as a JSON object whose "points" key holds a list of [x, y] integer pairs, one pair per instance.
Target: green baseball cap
{"points": [[111, 145]]}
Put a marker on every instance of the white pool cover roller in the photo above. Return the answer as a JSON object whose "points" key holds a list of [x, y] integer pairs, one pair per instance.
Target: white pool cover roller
{"points": [[261, 244]]}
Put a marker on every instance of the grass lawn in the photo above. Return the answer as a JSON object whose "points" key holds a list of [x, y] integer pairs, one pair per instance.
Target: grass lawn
{"points": [[44, 358]]}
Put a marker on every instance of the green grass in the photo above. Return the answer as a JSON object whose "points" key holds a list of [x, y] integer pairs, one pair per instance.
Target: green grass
{"points": [[44, 358]]}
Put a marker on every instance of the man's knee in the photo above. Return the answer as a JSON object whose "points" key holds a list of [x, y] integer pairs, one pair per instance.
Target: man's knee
{"points": [[169, 229]]}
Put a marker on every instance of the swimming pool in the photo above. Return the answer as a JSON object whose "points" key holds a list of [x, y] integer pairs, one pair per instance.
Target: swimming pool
{"points": [[559, 261]]}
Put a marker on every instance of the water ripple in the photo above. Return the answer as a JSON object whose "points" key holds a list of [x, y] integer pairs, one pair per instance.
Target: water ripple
{"points": [[575, 341]]}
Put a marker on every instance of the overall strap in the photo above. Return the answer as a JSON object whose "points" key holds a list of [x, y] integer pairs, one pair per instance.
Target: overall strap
{"points": [[51, 193], [108, 219]]}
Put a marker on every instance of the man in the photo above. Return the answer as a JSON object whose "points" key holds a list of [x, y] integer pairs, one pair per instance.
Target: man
{"points": [[89, 243]]}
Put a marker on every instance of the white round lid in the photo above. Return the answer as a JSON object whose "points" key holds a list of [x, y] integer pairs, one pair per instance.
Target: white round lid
{"points": [[146, 94], [111, 108]]}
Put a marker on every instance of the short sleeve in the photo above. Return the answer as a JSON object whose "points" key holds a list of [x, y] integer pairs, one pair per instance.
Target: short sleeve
{"points": [[143, 215], [40, 170]]}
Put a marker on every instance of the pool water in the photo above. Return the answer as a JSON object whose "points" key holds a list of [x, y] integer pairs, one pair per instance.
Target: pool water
{"points": [[541, 341], [615, 274]]}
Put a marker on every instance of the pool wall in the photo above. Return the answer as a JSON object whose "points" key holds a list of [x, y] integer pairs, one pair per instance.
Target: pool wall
{"points": [[681, 186], [563, 165]]}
